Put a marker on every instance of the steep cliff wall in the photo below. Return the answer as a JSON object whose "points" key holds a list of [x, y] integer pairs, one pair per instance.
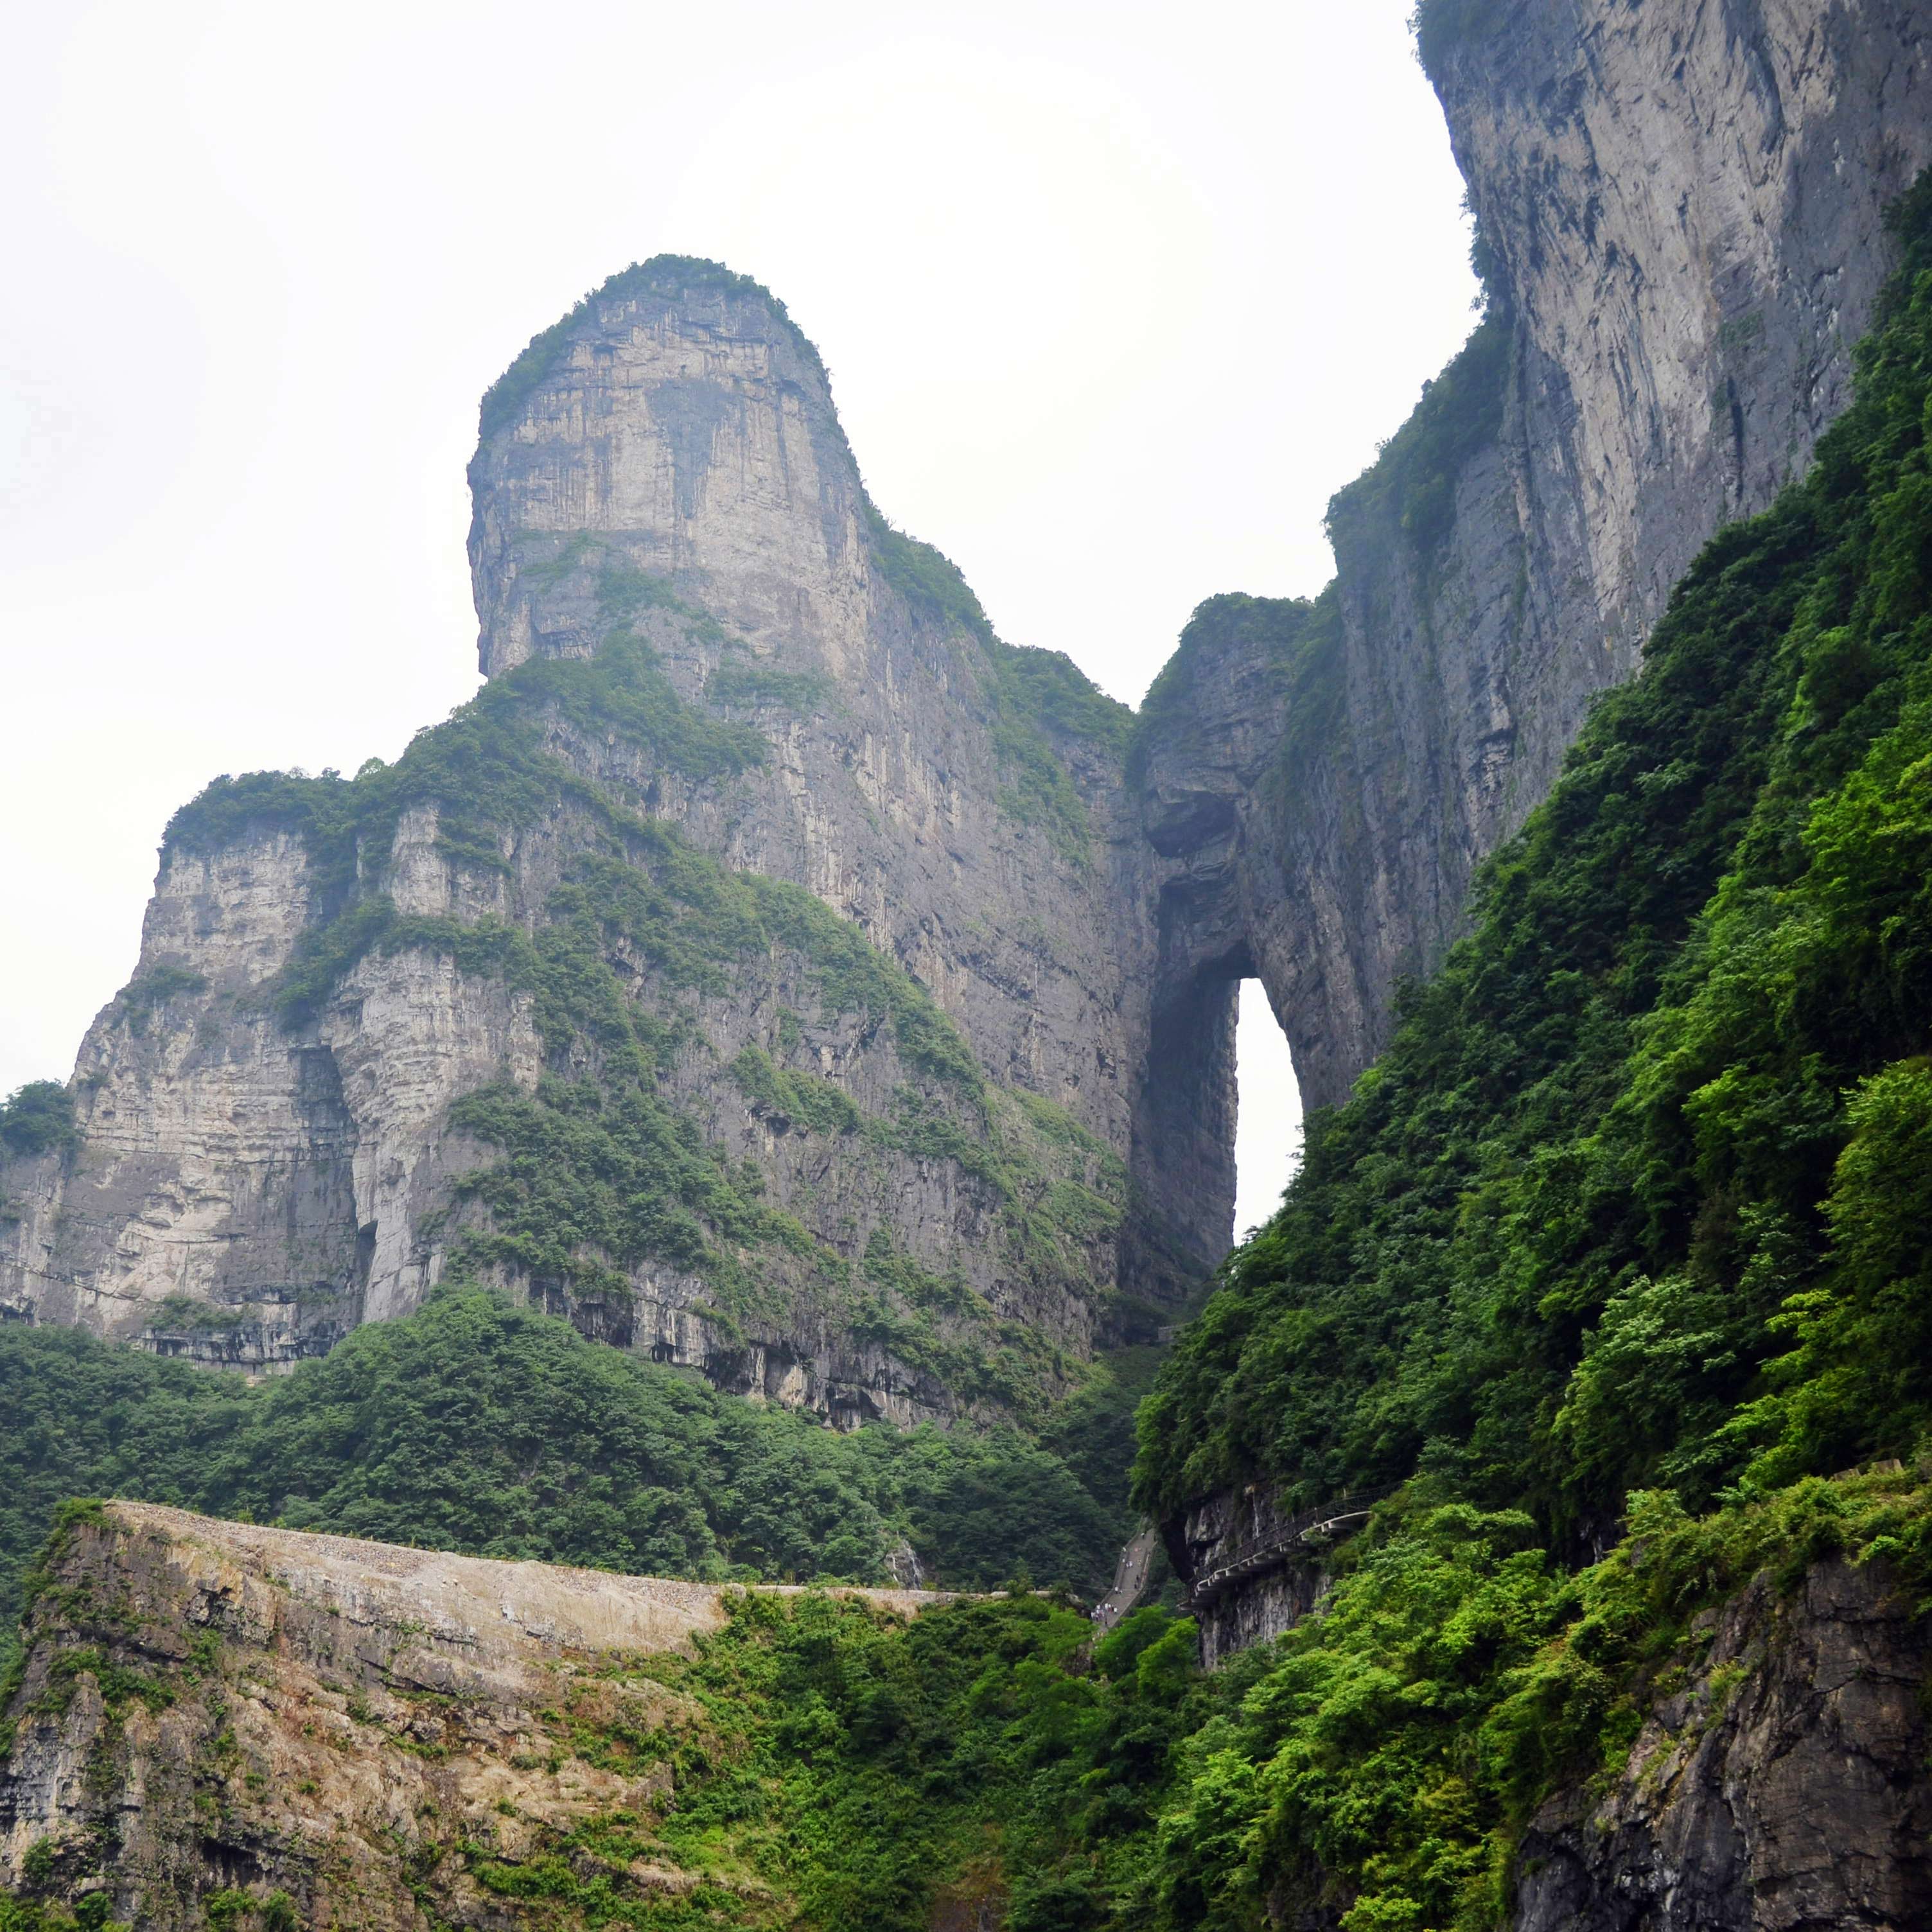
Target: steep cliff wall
{"points": [[740, 974], [1680, 215], [1783, 1785]]}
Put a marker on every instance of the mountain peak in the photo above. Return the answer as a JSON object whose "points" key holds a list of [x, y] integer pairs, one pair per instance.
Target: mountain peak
{"points": [[675, 422]]}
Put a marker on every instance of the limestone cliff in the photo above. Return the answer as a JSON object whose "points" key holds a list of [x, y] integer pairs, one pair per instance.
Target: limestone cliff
{"points": [[327, 1731], [740, 974], [1681, 221], [1680, 212]]}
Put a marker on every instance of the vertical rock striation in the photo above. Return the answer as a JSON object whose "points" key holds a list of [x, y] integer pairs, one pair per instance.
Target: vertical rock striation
{"points": [[1680, 209], [1681, 213], [740, 975]]}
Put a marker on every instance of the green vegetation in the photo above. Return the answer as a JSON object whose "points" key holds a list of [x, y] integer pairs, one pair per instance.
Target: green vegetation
{"points": [[36, 1119], [1302, 640], [484, 769], [1045, 687], [793, 1095], [859, 1774], [981, 1751], [475, 1426], [600, 1169], [1035, 696], [27, 1914], [139, 998], [1038, 696], [1412, 482], [593, 1181], [833, 1766], [1628, 1230], [926, 578], [761, 687], [1050, 687], [1634, 1188]]}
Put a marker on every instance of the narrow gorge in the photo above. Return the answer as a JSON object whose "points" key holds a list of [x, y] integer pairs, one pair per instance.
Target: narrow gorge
{"points": [[773, 985]]}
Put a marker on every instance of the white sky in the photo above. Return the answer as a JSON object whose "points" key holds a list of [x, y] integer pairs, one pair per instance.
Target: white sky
{"points": [[1113, 296]]}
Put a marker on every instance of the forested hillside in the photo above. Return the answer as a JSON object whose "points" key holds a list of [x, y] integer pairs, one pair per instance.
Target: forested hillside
{"points": [[493, 1430]]}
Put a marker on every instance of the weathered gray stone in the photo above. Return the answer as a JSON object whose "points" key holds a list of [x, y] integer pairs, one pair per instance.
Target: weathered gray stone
{"points": [[1687, 204], [1783, 1789]]}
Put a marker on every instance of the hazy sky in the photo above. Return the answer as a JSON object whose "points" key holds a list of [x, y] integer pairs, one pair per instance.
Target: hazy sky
{"points": [[1113, 296]]}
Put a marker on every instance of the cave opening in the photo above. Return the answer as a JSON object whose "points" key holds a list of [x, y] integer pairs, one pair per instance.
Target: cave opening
{"points": [[1268, 1119], [1218, 1131]]}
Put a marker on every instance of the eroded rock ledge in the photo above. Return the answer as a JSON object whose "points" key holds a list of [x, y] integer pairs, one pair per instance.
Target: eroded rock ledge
{"points": [[212, 1707]]}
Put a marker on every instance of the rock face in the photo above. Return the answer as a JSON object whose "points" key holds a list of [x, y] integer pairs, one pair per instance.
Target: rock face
{"points": [[343, 1732], [1784, 1787], [246, 1191], [1680, 208], [1252, 1569], [845, 872], [773, 971]]}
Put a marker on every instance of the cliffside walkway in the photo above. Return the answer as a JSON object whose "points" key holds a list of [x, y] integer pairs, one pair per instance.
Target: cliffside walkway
{"points": [[1130, 1578], [1301, 1535]]}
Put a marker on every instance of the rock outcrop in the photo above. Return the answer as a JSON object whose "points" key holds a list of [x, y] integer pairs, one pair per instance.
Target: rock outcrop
{"points": [[322, 1731], [1253, 1569], [1784, 1786]]}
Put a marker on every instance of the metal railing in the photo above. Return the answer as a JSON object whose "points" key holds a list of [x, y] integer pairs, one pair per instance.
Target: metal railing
{"points": [[1301, 1534]]}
